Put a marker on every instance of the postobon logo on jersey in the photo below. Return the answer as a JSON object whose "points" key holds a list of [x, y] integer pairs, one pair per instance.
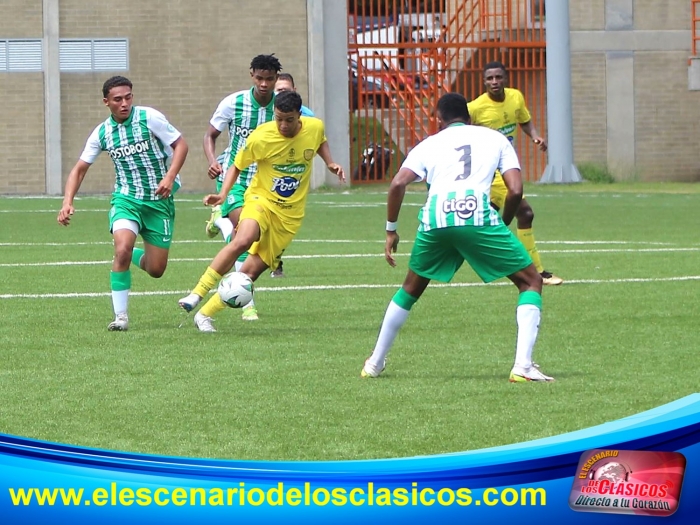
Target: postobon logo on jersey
{"points": [[463, 208], [243, 132], [129, 149], [285, 187]]}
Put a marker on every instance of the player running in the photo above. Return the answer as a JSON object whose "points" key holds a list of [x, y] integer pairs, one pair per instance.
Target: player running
{"points": [[148, 153], [241, 113], [275, 202]]}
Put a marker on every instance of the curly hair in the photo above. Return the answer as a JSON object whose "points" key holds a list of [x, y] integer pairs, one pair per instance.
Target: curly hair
{"points": [[266, 63]]}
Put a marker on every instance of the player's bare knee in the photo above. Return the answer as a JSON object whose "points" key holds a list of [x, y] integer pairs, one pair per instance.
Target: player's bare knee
{"points": [[156, 272], [122, 255], [525, 215]]}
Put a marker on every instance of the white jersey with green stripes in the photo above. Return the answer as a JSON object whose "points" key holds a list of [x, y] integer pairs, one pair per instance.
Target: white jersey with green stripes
{"points": [[459, 165], [140, 148], [241, 113]]}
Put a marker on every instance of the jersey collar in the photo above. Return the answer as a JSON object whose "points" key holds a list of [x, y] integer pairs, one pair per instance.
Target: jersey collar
{"points": [[257, 104]]}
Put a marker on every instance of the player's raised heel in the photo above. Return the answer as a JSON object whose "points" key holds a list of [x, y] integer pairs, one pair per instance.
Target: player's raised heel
{"points": [[523, 375], [249, 313], [371, 371], [190, 302], [549, 279], [204, 323], [120, 323], [211, 229], [278, 272]]}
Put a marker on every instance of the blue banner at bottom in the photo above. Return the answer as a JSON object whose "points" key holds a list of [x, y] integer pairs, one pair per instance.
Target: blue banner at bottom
{"points": [[562, 478]]}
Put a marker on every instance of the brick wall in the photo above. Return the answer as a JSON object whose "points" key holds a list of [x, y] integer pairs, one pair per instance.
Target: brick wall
{"points": [[22, 129], [667, 117], [589, 107], [668, 14], [666, 113], [587, 15], [184, 58]]}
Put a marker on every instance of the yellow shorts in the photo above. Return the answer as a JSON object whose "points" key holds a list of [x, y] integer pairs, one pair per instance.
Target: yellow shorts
{"points": [[499, 191], [276, 232]]}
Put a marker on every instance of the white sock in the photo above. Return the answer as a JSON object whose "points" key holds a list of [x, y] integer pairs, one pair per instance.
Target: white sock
{"points": [[120, 300], [528, 318], [226, 227], [394, 319]]}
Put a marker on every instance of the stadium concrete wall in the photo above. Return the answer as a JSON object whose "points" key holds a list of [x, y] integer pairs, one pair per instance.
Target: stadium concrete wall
{"points": [[633, 109], [184, 57], [632, 106]]}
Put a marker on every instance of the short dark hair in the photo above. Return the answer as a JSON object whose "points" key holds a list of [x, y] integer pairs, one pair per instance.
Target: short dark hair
{"points": [[286, 76], [115, 82], [266, 63], [453, 107], [288, 101], [495, 65]]}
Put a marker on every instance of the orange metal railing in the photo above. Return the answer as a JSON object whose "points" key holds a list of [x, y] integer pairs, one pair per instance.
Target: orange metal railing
{"points": [[695, 12], [402, 60]]}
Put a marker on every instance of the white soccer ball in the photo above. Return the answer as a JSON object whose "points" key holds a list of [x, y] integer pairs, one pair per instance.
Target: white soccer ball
{"points": [[236, 289]]}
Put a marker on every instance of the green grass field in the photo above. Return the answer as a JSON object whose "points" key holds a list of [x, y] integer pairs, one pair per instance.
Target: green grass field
{"points": [[620, 335]]}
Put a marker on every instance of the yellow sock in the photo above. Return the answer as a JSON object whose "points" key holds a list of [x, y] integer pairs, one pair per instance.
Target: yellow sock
{"points": [[527, 237], [213, 306], [207, 281]]}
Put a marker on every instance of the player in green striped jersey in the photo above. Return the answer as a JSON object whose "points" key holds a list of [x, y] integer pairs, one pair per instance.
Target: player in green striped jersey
{"points": [[240, 112], [148, 153], [457, 224]]}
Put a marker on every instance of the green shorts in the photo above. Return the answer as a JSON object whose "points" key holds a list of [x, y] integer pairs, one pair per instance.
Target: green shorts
{"points": [[234, 199], [492, 251], [156, 219]]}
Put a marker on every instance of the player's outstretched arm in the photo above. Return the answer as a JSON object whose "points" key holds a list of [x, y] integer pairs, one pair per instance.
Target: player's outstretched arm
{"points": [[209, 144], [324, 151], [75, 179], [514, 182], [230, 179], [180, 149], [530, 131], [397, 191]]}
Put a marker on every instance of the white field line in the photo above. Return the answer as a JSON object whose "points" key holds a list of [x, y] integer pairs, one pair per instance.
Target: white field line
{"points": [[204, 209], [335, 256], [351, 287], [333, 241]]}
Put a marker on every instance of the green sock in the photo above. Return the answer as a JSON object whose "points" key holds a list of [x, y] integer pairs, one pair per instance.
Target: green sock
{"points": [[136, 256]]}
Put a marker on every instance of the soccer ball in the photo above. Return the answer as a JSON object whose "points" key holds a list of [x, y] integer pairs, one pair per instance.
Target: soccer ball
{"points": [[236, 290]]}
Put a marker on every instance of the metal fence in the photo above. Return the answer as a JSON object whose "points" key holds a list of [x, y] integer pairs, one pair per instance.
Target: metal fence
{"points": [[402, 56]]}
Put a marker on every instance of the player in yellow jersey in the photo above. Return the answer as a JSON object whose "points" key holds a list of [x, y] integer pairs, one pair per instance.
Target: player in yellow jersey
{"points": [[274, 203], [503, 109]]}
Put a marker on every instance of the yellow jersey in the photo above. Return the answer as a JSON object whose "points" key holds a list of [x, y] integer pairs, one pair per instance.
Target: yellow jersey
{"points": [[284, 164], [501, 116]]}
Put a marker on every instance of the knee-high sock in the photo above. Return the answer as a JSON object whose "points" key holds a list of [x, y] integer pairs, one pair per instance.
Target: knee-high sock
{"points": [[226, 227], [209, 279], [137, 257], [527, 237], [120, 284], [394, 318], [213, 306], [528, 316]]}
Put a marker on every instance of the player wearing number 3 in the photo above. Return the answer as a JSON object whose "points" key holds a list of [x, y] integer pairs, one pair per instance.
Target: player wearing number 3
{"points": [[457, 224]]}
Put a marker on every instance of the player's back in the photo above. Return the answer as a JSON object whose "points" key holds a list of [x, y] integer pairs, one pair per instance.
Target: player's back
{"points": [[463, 157], [459, 164]]}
